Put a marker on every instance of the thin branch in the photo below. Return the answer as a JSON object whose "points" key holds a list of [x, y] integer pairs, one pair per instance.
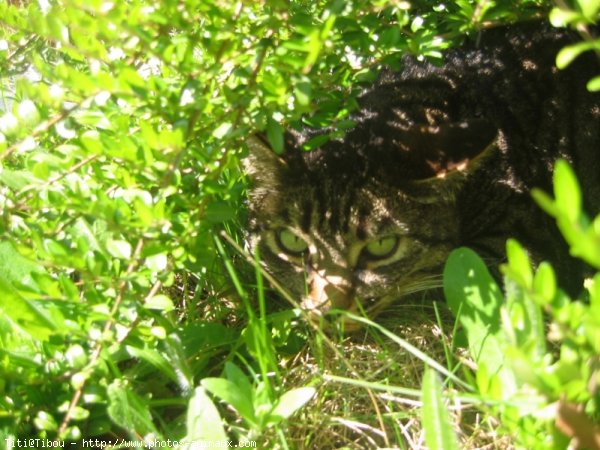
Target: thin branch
{"points": [[99, 345], [46, 125]]}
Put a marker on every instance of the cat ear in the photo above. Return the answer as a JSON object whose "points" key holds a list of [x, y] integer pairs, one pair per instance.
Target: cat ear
{"points": [[439, 151], [262, 162]]}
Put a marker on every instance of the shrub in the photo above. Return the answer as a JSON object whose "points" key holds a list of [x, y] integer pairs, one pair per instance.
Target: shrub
{"points": [[125, 314], [536, 349]]}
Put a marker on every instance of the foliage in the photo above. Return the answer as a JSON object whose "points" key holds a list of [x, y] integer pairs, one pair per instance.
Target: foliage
{"points": [[121, 129], [581, 14], [436, 420], [252, 404], [541, 381]]}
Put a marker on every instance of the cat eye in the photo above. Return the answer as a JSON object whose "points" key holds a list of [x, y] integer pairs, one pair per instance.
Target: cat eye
{"points": [[291, 243], [382, 247]]}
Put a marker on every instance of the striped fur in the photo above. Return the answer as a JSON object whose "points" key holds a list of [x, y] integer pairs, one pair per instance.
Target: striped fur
{"points": [[440, 157]]}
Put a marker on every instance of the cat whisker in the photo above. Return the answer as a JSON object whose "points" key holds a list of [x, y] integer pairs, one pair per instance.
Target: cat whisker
{"points": [[420, 284], [377, 305]]}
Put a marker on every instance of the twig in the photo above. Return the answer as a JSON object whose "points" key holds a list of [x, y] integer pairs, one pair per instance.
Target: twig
{"points": [[46, 125], [99, 345]]}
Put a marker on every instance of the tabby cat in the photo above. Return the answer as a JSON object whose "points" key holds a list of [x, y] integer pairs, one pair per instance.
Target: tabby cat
{"points": [[440, 157]]}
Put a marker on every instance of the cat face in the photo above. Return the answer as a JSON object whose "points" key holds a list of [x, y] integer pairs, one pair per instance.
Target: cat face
{"points": [[340, 225], [440, 156]]}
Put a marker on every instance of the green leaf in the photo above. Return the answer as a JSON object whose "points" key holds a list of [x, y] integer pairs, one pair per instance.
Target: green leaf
{"points": [[14, 268], [45, 421], [119, 248], [525, 324], [217, 212], [303, 92], [544, 282], [9, 124], [205, 336], [25, 313], [82, 231], [76, 356], [562, 17], [314, 46], [232, 394], [160, 302], [96, 119], [275, 135], [157, 262], [239, 378], [129, 411], [567, 191], [545, 202], [567, 54], [594, 84], [222, 130], [590, 9], [315, 142], [17, 179], [474, 297], [203, 423], [156, 359], [132, 78], [79, 413], [91, 142], [28, 113], [518, 262], [439, 434], [290, 402]]}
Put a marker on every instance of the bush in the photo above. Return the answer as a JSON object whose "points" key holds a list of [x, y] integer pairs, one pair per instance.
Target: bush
{"points": [[125, 313], [536, 349]]}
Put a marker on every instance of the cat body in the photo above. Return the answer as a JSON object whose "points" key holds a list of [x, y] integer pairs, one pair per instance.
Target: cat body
{"points": [[440, 157]]}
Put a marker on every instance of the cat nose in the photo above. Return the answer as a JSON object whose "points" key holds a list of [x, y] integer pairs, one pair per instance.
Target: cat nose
{"points": [[328, 291]]}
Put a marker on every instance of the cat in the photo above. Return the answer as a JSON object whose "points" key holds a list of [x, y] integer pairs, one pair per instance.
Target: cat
{"points": [[440, 157]]}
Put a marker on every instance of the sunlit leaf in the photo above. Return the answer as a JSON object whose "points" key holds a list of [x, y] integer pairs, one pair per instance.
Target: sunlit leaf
{"points": [[275, 135], [204, 424], [475, 298], [232, 394], [291, 401], [544, 282], [562, 17], [569, 53], [159, 302], [594, 84], [29, 316], [439, 434], [567, 191], [128, 411], [518, 262]]}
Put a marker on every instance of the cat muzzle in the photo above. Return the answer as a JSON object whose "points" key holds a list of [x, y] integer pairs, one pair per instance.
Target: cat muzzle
{"points": [[327, 292]]}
